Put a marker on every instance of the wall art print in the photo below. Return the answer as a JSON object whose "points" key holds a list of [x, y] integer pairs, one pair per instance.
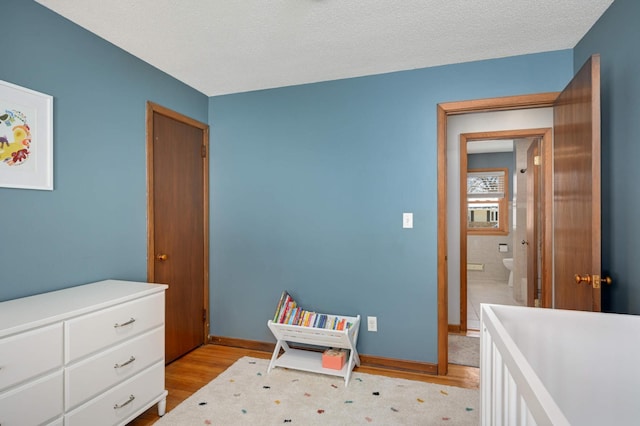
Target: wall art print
{"points": [[26, 138]]}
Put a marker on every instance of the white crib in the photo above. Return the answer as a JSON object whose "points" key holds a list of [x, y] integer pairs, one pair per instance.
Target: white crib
{"points": [[558, 367]]}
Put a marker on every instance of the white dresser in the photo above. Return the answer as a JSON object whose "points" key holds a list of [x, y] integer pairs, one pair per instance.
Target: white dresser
{"points": [[87, 355]]}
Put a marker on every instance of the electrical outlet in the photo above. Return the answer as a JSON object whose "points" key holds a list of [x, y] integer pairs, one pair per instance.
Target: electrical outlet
{"points": [[372, 324]]}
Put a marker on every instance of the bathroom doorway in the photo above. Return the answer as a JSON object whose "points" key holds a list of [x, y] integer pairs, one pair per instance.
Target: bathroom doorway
{"points": [[579, 101], [455, 118], [503, 175]]}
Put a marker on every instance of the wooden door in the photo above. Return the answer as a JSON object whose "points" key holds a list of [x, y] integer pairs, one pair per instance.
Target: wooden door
{"points": [[178, 225], [533, 241], [577, 242]]}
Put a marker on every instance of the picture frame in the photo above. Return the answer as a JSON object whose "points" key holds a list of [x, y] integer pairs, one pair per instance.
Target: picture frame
{"points": [[26, 138]]}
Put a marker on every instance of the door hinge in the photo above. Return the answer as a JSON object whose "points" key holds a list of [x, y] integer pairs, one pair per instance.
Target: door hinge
{"points": [[536, 160], [204, 315], [203, 151]]}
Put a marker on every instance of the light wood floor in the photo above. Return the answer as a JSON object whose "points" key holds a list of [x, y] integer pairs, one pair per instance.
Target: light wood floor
{"points": [[186, 375]]}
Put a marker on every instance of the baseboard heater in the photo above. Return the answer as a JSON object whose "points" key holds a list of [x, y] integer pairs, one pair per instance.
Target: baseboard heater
{"points": [[475, 266]]}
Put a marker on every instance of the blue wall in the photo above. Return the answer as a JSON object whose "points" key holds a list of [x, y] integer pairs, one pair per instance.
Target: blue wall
{"points": [[615, 36], [93, 225], [309, 184]]}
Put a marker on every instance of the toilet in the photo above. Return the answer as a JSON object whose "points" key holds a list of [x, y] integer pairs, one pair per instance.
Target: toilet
{"points": [[508, 263]]}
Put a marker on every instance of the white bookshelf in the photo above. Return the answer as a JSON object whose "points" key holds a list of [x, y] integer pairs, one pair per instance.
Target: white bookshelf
{"points": [[308, 360]]}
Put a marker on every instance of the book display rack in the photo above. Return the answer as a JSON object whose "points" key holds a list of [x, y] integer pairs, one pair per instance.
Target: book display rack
{"points": [[336, 332]]}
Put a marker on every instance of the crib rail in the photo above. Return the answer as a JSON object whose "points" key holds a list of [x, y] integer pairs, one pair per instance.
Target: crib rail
{"points": [[510, 391]]}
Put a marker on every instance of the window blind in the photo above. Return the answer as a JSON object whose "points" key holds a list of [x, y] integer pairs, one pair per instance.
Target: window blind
{"points": [[481, 185]]}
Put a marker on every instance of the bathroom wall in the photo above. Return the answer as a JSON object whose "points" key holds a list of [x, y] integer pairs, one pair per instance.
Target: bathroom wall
{"points": [[484, 249]]}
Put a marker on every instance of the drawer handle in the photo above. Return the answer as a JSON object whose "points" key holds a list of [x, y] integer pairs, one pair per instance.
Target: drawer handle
{"points": [[131, 321], [129, 401], [126, 363]]}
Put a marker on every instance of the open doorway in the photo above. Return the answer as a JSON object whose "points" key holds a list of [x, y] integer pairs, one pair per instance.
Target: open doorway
{"points": [[448, 205], [575, 199], [502, 210], [489, 223], [504, 176]]}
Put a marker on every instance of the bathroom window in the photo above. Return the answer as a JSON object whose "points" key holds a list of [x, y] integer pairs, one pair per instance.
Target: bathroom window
{"points": [[487, 201]]}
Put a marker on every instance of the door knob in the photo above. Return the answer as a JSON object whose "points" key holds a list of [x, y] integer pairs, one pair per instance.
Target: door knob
{"points": [[606, 280], [582, 278], [161, 257], [596, 280]]}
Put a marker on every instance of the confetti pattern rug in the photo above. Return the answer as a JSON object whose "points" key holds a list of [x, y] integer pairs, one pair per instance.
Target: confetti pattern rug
{"points": [[245, 394]]}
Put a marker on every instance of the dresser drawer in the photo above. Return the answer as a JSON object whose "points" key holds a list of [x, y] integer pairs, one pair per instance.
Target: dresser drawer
{"points": [[34, 403], [118, 404], [93, 375], [30, 354], [90, 333]]}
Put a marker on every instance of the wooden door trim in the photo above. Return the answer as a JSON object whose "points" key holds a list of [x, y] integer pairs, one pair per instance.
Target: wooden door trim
{"points": [[155, 108], [546, 257], [596, 159], [444, 110], [533, 202]]}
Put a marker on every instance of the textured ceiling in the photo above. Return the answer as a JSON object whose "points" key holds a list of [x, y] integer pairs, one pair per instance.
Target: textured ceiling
{"points": [[229, 46]]}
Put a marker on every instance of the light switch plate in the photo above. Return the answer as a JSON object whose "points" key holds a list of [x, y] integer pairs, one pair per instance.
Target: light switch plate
{"points": [[407, 220], [372, 323]]}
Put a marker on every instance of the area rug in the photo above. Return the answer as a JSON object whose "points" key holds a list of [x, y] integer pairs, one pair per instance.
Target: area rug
{"points": [[464, 350], [245, 394]]}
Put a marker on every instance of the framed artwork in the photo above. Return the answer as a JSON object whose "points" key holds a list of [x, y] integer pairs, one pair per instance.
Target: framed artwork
{"points": [[26, 138]]}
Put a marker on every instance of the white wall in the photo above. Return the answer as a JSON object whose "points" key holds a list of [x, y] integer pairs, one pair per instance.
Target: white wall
{"points": [[470, 123], [484, 249]]}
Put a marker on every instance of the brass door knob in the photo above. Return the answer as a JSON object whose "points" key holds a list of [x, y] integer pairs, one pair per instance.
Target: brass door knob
{"points": [[583, 278], [161, 257], [596, 280]]}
